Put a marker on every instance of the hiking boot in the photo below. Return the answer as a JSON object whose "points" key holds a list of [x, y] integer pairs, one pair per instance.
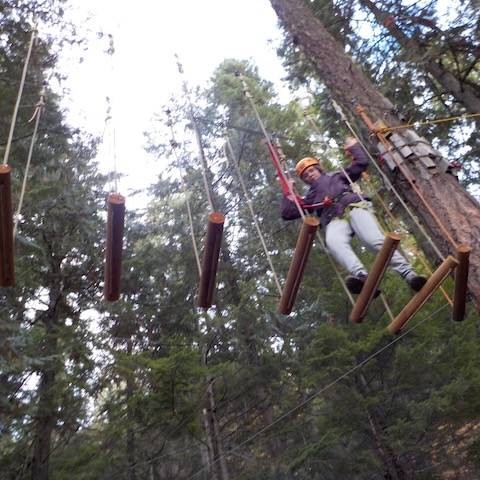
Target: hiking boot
{"points": [[355, 284], [415, 281]]}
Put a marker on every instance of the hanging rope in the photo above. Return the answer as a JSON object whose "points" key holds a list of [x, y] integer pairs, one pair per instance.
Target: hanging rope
{"points": [[19, 96], [174, 146], [252, 212], [198, 137], [36, 115], [293, 195], [388, 147], [428, 122]]}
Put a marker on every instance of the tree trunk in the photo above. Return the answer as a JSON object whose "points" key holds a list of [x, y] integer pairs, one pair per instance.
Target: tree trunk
{"points": [[45, 423], [130, 420], [458, 211], [461, 91]]}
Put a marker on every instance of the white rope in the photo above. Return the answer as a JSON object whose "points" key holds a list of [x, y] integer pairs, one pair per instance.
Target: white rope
{"points": [[388, 183], [37, 114], [314, 395], [19, 96], [198, 137], [187, 199], [292, 193], [252, 212]]}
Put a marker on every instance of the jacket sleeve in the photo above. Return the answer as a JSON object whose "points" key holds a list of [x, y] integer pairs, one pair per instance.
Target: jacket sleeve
{"points": [[359, 163], [289, 210]]}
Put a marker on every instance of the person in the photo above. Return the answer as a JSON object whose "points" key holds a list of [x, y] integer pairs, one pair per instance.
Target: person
{"points": [[343, 214]]}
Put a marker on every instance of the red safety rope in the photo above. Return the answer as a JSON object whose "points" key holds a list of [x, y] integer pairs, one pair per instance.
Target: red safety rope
{"points": [[327, 201]]}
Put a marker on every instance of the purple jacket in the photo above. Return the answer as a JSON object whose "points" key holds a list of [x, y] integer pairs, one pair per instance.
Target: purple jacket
{"points": [[334, 185]]}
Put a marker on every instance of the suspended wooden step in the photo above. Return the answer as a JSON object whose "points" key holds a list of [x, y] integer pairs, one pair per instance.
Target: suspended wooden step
{"points": [[374, 277], [461, 280], [113, 251], [211, 252], [7, 274], [417, 302], [297, 267]]}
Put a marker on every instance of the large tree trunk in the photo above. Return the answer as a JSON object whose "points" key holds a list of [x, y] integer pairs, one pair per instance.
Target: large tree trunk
{"points": [[461, 91], [45, 423], [458, 211]]}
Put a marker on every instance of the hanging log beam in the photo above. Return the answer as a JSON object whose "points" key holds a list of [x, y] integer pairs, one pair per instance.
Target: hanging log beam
{"points": [[461, 279], [297, 267], [211, 253], [423, 295], [7, 274], [374, 277], [113, 251]]}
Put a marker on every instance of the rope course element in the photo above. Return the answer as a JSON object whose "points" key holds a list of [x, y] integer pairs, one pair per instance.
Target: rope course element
{"points": [[19, 96], [322, 390], [252, 212], [36, 115], [7, 263], [174, 145], [435, 121], [115, 218], [216, 220], [291, 191], [408, 176]]}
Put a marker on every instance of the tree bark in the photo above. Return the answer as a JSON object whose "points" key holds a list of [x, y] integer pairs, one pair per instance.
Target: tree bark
{"points": [[130, 443], [461, 91], [458, 211]]}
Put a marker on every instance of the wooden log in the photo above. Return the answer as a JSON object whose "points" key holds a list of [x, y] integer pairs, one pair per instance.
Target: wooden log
{"points": [[374, 277], [211, 252], [7, 273], [461, 279], [297, 266], [114, 247], [414, 305]]}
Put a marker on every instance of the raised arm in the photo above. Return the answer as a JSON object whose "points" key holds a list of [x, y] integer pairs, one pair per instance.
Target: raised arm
{"points": [[359, 161]]}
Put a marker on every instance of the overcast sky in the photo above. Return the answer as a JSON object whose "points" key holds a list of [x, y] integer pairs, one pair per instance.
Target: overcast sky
{"points": [[142, 74]]}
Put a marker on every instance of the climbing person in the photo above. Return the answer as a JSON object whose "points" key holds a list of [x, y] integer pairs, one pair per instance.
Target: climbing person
{"points": [[343, 214]]}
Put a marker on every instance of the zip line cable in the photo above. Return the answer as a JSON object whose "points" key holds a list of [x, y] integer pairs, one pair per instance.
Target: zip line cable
{"points": [[174, 146], [314, 395], [19, 95], [252, 212], [36, 115], [249, 97]]}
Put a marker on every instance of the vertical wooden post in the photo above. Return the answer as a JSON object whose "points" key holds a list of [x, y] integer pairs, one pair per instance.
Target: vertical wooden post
{"points": [[114, 247], [7, 273], [414, 305], [461, 279], [297, 267], [211, 253], [374, 277]]}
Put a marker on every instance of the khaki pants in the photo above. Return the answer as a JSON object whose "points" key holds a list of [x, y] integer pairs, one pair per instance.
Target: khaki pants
{"points": [[362, 223]]}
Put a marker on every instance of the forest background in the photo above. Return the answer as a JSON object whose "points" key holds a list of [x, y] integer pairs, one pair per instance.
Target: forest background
{"points": [[150, 387]]}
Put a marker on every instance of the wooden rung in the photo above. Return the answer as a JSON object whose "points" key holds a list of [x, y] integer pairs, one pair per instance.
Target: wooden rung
{"points": [[461, 280], [374, 277], [297, 267], [211, 253], [7, 273], [113, 251], [414, 305]]}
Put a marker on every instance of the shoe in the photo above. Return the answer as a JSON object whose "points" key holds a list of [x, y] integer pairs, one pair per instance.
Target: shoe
{"points": [[355, 284], [415, 281]]}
